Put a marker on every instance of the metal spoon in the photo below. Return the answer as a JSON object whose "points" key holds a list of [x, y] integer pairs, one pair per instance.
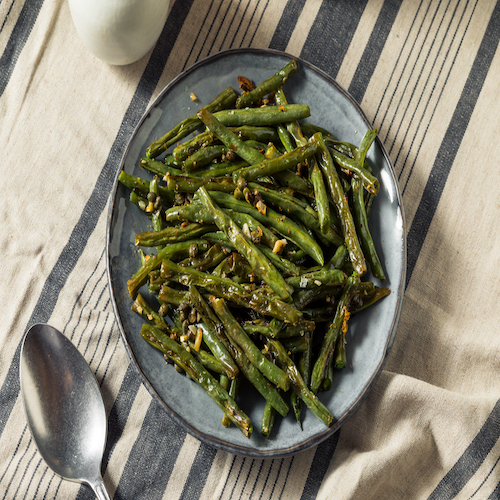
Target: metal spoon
{"points": [[63, 406]]}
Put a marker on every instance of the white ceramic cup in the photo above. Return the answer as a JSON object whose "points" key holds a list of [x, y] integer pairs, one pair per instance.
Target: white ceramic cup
{"points": [[119, 31]]}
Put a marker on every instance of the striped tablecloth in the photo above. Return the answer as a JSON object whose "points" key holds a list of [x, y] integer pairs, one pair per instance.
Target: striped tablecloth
{"points": [[426, 73]]}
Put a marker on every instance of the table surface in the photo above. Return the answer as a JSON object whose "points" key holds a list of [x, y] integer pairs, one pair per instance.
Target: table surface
{"points": [[426, 75]]}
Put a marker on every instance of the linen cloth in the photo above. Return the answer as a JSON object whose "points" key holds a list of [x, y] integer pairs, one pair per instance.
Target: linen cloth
{"points": [[426, 73]]}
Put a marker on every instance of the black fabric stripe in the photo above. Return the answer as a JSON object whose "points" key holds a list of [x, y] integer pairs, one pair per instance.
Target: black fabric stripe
{"points": [[267, 478], [282, 460], [243, 16], [319, 466], [247, 478], [396, 64], [16, 467], [221, 24], [20, 482], [257, 478], [483, 482], [437, 101], [6, 16], [472, 458], [41, 479], [17, 41], [452, 140], [236, 10], [374, 47], [286, 24], [2, 477], [286, 477], [199, 472], [495, 495], [257, 25], [160, 437], [333, 25], [80, 295], [413, 94], [228, 475], [119, 412], [209, 31], [421, 50], [238, 476], [193, 45]]}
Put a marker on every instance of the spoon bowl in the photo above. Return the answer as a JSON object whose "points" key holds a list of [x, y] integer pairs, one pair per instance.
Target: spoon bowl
{"points": [[63, 406]]}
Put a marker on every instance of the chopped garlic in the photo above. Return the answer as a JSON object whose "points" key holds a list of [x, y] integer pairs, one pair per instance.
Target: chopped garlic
{"points": [[279, 245]]}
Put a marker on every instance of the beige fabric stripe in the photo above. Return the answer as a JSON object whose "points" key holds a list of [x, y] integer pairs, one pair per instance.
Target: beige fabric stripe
{"points": [[359, 41], [182, 468], [303, 26], [117, 460], [269, 13]]}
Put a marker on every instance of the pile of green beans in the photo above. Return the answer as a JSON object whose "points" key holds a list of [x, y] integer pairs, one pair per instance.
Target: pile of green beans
{"points": [[258, 246]]}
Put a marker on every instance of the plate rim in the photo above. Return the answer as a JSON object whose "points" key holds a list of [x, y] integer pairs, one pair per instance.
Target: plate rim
{"points": [[315, 439]]}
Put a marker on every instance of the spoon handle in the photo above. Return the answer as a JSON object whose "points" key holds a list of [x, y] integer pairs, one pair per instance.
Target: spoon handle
{"points": [[99, 490]]}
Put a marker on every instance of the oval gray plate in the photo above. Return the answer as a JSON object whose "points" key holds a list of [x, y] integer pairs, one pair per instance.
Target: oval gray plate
{"points": [[371, 332]]}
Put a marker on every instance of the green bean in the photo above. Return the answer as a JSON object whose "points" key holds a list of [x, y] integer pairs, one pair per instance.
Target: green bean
{"points": [[159, 167], [365, 145], [225, 168], [219, 351], [295, 181], [283, 224], [229, 290], [265, 116], [298, 384], [203, 156], [361, 221], [188, 184], [295, 345], [284, 265], [154, 262], [352, 167], [141, 307], [231, 141], [208, 360], [285, 137], [274, 165], [320, 195], [258, 261], [267, 86], [292, 207], [331, 336], [211, 258], [223, 101], [207, 381], [169, 295], [268, 418], [293, 127], [343, 212], [255, 227], [261, 134], [233, 392], [364, 299], [274, 374], [184, 150], [172, 234], [318, 279], [338, 258], [252, 374]]}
